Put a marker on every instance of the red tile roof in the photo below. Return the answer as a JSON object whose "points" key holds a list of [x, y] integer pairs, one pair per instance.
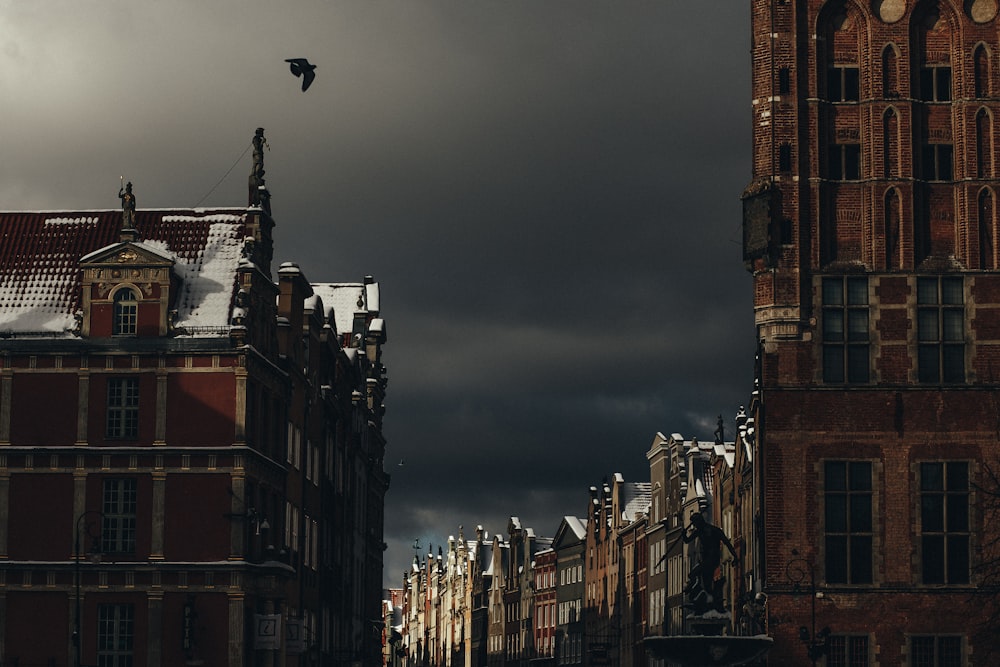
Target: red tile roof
{"points": [[40, 253]]}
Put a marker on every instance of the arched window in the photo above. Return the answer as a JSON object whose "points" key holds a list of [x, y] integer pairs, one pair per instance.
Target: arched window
{"points": [[892, 217], [890, 71], [981, 71], [840, 30], [987, 235], [890, 143], [932, 38], [984, 144], [125, 310]]}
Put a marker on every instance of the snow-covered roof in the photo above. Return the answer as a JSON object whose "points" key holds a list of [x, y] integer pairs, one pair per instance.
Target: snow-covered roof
{"points": [[40, 254], [577, 525], [636, 497], [345, 299]]}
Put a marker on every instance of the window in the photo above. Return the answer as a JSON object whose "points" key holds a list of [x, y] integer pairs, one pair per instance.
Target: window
{"points": [[126, 305], [936, 651], [785, 157], [935, 83], [784, 81], [981, 72], [115, 635], [785, 231], [940, 329], [123, 408], [842, 84], [944, 522], [936, 162], [119, 510], [845, 330], [845, 162], [847, 651], [848, 521]]}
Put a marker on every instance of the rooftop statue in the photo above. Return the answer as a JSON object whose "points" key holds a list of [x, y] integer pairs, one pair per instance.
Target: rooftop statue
{"points": [[128, 206], [256, 180]]}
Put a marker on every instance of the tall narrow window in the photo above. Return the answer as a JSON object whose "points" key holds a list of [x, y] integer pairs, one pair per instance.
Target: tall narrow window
{"points": [[784, 81], [845, 330], [987, 235], [941, 329], [890, 143], [890, 71], [848, 522], [984, 144], [944, 522], [785, 157], [936, 651], [981, 72], [126, 306], [892, 226], [123, 408], [115, 635], [119, 510], [935, 83]]}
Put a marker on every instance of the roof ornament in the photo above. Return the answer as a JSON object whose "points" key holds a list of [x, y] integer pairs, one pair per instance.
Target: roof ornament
{"points": [[720, 432], [128, 210], [256, 181]]}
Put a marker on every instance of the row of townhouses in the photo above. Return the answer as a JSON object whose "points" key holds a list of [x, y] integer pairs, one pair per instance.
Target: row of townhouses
{"points": [[190, 444], [593, 592]]}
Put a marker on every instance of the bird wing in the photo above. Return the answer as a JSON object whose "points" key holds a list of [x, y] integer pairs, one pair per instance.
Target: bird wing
{"points": [[307, 78]]}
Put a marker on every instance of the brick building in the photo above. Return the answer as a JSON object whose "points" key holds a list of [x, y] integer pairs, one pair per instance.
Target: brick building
{"points": [[190, 452], [870, 228]]}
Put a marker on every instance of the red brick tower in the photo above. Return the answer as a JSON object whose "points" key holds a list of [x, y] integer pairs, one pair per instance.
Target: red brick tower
{"points": [[870, 229]]}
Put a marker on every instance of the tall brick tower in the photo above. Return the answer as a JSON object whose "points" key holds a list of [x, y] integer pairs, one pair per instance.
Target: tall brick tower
{"points": [[870, 228]]}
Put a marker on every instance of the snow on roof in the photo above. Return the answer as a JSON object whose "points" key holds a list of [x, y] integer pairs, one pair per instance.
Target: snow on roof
{"points": [[40, 289], [577, 525], [344, 299], [636, 499]]}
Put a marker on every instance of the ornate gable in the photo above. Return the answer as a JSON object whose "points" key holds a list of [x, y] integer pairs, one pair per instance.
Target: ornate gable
{"points": [[127, 290]]}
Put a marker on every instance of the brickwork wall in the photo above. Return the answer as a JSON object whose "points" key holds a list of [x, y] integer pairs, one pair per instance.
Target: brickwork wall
{"points": [[914, 208]]}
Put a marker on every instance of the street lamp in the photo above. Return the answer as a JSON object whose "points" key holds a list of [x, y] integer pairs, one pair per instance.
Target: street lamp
{"points": [[95, 552], [815, 642]]}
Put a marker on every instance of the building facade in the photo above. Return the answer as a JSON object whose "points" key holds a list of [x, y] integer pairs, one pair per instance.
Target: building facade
{"points": [[190, 447], [870, 229]]}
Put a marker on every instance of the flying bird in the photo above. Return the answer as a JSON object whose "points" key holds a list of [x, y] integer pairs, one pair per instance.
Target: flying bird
{"points": [[302, 67]]}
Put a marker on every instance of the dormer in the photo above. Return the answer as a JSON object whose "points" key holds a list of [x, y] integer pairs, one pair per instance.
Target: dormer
{"points": [[128, 289]]}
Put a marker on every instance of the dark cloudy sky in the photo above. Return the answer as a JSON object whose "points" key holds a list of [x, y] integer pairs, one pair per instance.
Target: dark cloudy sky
{"points": [[546, 190]]}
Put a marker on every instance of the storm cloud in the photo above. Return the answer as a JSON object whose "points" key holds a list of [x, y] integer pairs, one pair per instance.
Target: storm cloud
{"points": [[547, 192]]}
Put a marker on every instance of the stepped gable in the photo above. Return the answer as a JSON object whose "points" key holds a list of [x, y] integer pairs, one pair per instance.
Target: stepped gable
{"points": [[40, 253]]}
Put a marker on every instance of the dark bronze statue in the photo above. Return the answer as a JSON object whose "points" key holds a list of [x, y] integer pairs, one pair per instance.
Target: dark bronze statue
{"points": [[128, 206], [705, 580], [256, 180]]}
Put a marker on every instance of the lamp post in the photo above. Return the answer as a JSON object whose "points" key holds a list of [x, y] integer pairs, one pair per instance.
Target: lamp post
{"points": [[77, 642], [816, 643]]}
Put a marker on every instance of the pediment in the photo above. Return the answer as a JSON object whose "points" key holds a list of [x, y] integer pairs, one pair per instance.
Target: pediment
{"points": [[127, 254]]}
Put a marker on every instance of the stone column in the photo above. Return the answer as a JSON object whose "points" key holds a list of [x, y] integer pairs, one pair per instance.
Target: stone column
{"points": [[236, 625], [6, 383], [82, 403], [154, 637], [157, 514]]}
